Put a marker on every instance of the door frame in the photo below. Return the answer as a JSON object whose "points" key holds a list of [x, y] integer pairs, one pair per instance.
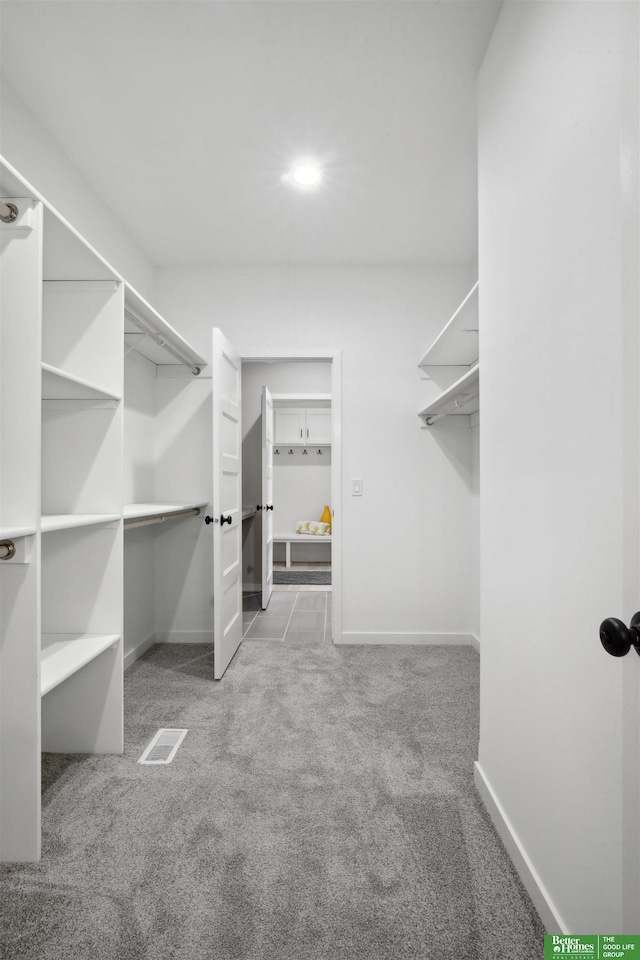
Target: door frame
{"points": [[334, 357]]}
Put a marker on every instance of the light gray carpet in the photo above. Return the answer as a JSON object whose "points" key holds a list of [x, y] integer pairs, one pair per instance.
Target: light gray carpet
{"points": [[302, 577], [321, 807]]}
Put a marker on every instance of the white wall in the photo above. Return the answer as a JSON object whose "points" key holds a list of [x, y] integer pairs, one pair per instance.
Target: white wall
{"points": [[558, 758], [407, 540], [40, 160]]}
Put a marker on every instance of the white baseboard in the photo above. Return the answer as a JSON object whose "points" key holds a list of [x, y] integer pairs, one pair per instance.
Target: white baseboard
{"points": [[526, 871], [421, 639], [184, 636], [475, 642], [138, 650]]}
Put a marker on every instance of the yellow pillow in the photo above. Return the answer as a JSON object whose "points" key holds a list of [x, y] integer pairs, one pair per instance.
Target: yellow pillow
{"points": [[326, 516]]}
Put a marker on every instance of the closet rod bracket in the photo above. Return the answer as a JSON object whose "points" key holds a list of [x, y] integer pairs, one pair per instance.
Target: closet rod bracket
{"points": [[8, 212], [7, 549]]}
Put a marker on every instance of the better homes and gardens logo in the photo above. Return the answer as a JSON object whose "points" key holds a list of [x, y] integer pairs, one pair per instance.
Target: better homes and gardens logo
{"points": [[595, 948]]}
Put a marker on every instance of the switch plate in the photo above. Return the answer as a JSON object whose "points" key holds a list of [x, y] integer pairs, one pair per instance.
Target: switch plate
{"points": [[356, 488]]}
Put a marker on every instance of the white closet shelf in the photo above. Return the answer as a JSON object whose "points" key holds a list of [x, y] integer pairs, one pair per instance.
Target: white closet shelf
{"points": [[172, 350], [14, 533], [457, 343], [461, 398], [60, 385], [63, 654], [67, 521], [158, 512]]}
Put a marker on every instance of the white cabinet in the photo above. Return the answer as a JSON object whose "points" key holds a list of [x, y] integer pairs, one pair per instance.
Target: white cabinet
{"points": [[303, 425], [318, 426], [289, 426], [451, 362]]}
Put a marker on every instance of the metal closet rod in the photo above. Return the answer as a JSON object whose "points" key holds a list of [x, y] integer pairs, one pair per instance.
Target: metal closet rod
{"points": [[163, 343], [8, 212], [452, 407], [160, 518]]}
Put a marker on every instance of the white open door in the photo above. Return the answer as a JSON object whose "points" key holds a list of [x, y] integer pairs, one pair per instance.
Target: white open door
{"points": [[227, 503], [267, 496]]}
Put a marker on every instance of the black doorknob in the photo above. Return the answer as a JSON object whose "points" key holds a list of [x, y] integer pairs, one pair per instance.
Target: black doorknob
{"points": [[259, 507], [224, 519], [269, 507], [617, 638]]}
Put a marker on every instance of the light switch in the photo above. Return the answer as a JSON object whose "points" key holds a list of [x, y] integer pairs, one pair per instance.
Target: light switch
{"points": [[356, 488]]}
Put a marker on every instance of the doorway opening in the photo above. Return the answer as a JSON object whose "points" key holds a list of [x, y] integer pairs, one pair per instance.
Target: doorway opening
{"points": [[291, 487], [298, 464]]}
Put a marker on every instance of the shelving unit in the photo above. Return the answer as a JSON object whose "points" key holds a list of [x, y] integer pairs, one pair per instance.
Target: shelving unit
{"points": [[164, 532], [451, 362], [61, 379], [81, 498], [20, 296], [62, 441]]}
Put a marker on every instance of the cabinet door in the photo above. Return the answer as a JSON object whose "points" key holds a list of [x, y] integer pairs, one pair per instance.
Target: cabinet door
{"points": [[289, 426], [318, 427]]}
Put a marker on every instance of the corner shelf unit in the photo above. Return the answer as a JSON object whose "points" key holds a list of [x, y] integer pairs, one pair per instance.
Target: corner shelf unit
{"points": [[452, 363], [63, 311]]}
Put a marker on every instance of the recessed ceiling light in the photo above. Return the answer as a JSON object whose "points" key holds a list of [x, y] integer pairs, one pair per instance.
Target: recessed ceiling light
{"points": [[306, 174]]}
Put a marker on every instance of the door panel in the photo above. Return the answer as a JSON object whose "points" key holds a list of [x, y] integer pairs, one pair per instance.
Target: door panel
{"points": [[267, 496], [226, 500]]}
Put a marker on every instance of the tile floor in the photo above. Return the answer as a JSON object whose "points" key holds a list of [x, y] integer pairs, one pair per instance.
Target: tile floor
{"points": [[293, 616]]}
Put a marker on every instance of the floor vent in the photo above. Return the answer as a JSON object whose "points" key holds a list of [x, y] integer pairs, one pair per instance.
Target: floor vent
{"points": [[164, 746]]}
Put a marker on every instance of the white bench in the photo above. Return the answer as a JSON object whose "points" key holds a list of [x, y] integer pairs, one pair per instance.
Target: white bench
{"points": [[289, 538]]}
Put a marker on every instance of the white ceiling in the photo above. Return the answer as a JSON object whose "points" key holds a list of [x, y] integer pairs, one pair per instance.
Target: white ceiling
{"points": [[184, 114]]}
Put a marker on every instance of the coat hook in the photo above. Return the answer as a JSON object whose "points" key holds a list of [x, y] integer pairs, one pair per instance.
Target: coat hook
{"points": [[305, 452], [319, 452], [290, 453], [276, 453]]}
